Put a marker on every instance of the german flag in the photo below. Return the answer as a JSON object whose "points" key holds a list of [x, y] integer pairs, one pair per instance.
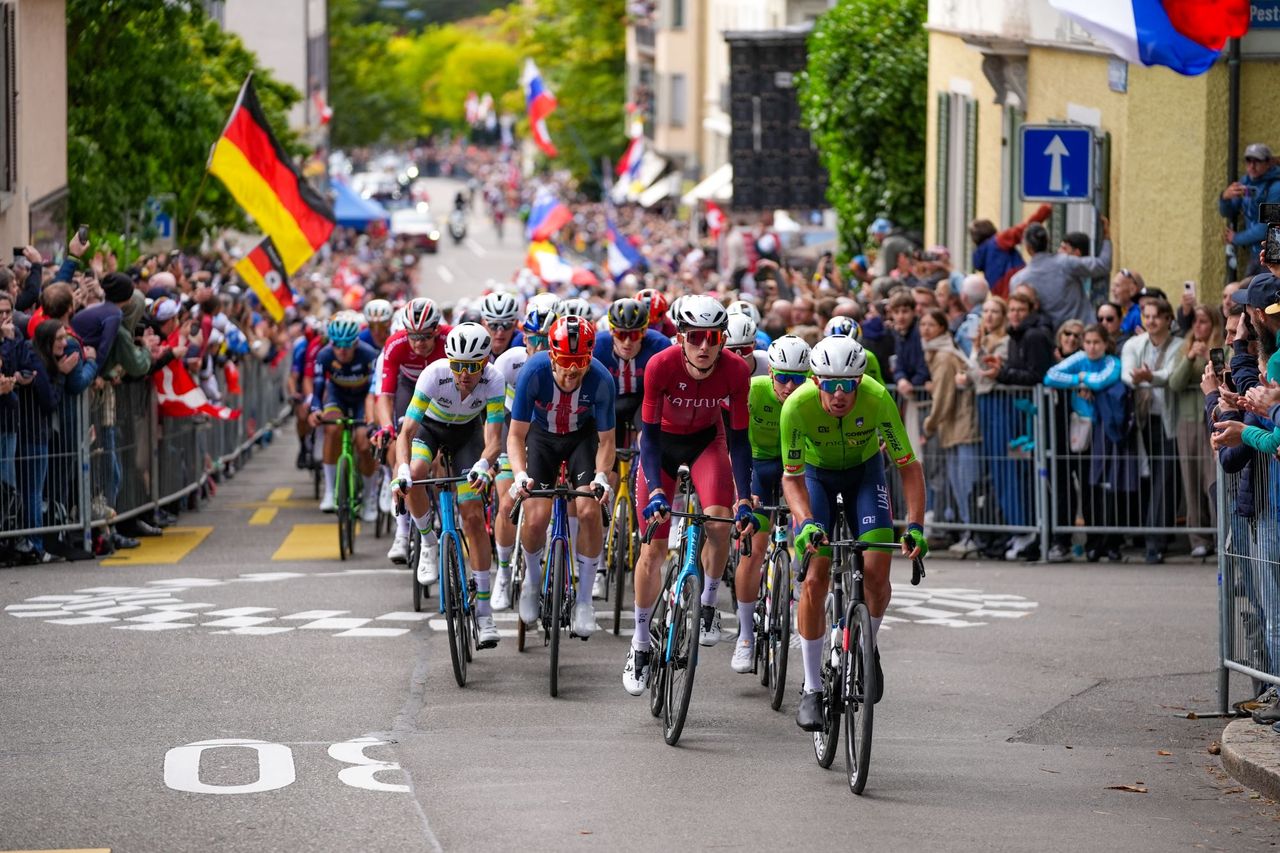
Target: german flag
{"points": [[264, 271], [259, 173]]}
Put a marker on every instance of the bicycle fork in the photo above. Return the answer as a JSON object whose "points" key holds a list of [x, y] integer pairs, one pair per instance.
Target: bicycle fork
{"points": [[448, 531], [691, 567]]}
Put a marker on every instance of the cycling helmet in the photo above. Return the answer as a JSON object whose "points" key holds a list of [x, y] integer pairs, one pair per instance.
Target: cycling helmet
{"points": [[838, 357], [468, 315], [843, 327], [572, 336], [657, 304], [343, 329], [421, 315], [741, 331], [547, 302], [378, 311], [790, 354], [742, 306], [700, 312], [628, 315], [468, 342], [538, 319], [397, 321], [499, 307], [575, 306]]}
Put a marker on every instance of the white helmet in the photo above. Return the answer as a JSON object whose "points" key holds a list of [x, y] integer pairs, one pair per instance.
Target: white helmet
{"points": [[397, 321], [741, 331], [700, 312], [742, 306], [790, 354], [838, 357], [841, 325], [378, 311], [499, 307], [468, 342], [575, 306], [548, 302]]}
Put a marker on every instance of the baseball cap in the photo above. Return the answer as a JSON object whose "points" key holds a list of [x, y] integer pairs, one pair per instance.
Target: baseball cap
{"points": [[164, 309], [1262, 291], [881, 226], [1257, 151]]}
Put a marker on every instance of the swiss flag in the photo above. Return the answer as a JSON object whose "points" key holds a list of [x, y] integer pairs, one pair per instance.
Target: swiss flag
{"points": [[180, 398], [232, 372], [715, 220]]}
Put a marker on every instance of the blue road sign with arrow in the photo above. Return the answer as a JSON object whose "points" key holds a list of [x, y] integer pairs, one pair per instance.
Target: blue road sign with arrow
{"points": [[1057, 163]]}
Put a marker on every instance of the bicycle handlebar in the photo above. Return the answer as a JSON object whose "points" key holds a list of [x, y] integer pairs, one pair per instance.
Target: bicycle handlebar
{"points": [[434, 481], [701, 518], [558, 491], [858, 546]]}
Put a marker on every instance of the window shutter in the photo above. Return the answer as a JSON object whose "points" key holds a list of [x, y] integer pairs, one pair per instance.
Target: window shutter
{"points": [[943, 160], [970, 173]]}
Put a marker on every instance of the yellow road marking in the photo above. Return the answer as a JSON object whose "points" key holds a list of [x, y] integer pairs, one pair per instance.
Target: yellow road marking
{"points": [[295, 503], [176, 543], [263, 515], [310, 542], [279, 495]]}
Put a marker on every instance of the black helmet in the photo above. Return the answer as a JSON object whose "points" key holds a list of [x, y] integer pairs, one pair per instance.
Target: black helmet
{"points": [[628, 315]]}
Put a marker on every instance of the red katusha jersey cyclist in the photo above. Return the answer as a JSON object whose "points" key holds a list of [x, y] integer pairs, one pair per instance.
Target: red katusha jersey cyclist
{"points": [[685, 390]]}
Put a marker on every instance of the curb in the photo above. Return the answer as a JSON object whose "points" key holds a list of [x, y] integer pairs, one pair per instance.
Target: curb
{"points": [[1251, 754]]}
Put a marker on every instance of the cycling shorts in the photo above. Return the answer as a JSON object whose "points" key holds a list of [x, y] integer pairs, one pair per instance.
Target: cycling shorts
{"points": [[404, 395], [627, 422], [766, 480], [707, 454], [863, 494], [545, 451], [335, 404], [465, 442]]}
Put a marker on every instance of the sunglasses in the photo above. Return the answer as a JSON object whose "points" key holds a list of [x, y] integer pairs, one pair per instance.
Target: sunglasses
{"points": [[1071, 334], [705, 337], [536, 341], [790, 378], [629, 336], [745, 350], [469, 367], [571, 362], [831, 386], [1253, 160], [495, 326], [422, 336], [1108, 319]]}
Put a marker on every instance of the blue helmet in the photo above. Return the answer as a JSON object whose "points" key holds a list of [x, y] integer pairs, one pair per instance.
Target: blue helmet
{"points": [[844, 327], [343, 330]]}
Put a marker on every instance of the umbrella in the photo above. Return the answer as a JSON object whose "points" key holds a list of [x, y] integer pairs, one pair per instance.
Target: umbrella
{"points": [[583, 277]]}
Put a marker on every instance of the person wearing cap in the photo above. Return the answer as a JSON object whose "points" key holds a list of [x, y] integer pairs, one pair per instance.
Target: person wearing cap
{"points": [[1259, 185]]}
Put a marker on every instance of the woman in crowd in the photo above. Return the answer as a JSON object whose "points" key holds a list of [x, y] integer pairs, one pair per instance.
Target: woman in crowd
{"points": [[1199, 473], [991, 346], [1071, 433], [953, 419], [1093, 375], [37, 402]]}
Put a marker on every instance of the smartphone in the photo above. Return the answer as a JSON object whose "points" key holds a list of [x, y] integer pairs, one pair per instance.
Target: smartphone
{"points": [[1219, 361], [82, 233], [17, 252], [26, 374], [1189, 288], [1271, 253]]}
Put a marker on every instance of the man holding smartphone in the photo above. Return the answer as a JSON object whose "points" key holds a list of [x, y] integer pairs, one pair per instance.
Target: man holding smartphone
{"points": [[1259, 185]]}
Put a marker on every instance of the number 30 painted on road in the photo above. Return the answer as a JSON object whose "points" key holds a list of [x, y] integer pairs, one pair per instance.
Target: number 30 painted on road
{"points": [[275, 766]]}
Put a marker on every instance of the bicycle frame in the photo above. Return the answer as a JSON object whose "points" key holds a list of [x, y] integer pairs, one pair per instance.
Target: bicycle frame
{"points": [[448, 528], [690, 565], [559, 533]]}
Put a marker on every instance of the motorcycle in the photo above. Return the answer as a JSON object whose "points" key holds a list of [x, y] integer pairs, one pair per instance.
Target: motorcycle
{"points": [[457, 226]]}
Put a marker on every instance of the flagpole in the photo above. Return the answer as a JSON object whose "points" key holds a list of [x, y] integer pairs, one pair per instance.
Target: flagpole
{"points": [[192, 212]]}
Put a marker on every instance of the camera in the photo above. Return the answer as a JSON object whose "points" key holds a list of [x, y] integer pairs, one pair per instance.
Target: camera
{"points": [[1270, 214]]}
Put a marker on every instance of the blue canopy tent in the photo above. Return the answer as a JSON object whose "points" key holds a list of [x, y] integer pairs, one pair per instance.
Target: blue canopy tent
{"points": [[352, 211]]}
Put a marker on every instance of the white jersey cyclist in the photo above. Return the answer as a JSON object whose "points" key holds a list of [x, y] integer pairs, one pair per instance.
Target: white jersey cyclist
{"points": [[436, 396]]}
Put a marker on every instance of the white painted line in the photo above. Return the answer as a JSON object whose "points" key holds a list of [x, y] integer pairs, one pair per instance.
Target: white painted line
{"points": [[195, 605], [446, 275], [315, 614], [239, 611], [334, 624], [375, 632], [82, 620], [256, 630], [950, 623], [57, 611], [60, 598], [89, 605], [188, 582], [409, 617], [1000, 614], [52, 605], [263, 577], [162, 616], [1019, 605], [102, 589], [475, 247], [114, 611], [238, 622], [926, 613], [153, 626], [951, 602]]}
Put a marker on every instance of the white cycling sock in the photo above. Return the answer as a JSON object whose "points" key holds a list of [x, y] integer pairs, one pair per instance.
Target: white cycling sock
{"points": [[747, 622], [533, 567], [423, 522], [504, 556], [875, 627], [587, 567], [404, 526], [640, 635], [811, 652], [330, 474], [573, 530], [372, 483], [482, 592], [709, 592]]}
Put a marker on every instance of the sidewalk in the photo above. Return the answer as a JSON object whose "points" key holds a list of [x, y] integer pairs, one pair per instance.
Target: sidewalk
{"points": [[1251, 754]]}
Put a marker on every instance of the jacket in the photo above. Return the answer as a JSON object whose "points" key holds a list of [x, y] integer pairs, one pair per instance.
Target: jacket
{"points": [[1184, 386], [997, 257], [1030, 354], [1267, 189], [1058, 281], [133, 357], [1077, 371], [1138, 351], [1235, 460], [954, 414], [910, 363]]}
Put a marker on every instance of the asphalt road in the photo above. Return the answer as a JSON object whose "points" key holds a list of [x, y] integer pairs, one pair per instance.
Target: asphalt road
{"points": [[1016, 697]]}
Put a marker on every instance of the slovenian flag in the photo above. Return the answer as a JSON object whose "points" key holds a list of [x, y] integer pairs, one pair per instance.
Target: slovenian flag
{"points": [[623, 257], [1185, 35], [629, 165], [540, 103], [547, 215]]}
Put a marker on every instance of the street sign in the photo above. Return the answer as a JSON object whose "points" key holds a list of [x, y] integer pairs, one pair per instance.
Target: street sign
{"points": [[1057, 163]]}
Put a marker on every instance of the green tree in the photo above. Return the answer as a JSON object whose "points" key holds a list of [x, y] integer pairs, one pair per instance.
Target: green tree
{"points": [[150, 84], [580, 47], [372, 101], [863, 97]]}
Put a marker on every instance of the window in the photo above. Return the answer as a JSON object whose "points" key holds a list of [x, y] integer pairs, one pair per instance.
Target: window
{"points": [[679, 100], [677, 14], [957, 186]]}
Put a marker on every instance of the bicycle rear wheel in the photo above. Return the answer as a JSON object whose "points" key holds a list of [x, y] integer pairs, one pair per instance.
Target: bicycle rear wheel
{"points": [[453, 615], [342, 509], [826, 739], [621, 559], [858, 677], [415, 554], [685, 614], [779, 625], [559, 573]]}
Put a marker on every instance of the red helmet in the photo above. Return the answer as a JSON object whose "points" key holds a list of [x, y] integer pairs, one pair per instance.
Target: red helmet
{"points": [[421, 315], [657, 304], [572, 340]]}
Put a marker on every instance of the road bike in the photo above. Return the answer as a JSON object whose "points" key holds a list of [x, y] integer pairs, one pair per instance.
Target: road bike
{"points": [[620, 545], [673, 628], [559, 590], [348, 488], [849, 684], [773, 607]]}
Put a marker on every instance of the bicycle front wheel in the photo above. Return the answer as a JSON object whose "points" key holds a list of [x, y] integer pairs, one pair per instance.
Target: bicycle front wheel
{"points": [[826, 739], [456, 620], [778, 623], [342, 499], [858, 677], [559, 573], [415, 554], [658, 640], [683, 663], [621, 561]]}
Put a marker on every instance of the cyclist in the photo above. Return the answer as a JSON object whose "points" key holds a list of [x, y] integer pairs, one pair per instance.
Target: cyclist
{"points": [[788, 370], [685, 386], [563, 411], [831, 431], [849, 328], [742, 306], [658, 318], [625, 350], [499, 312], [301, 381], [377, 313], [344, 370], [740, 338], [457, 404], [419, 343], [534, 328]]}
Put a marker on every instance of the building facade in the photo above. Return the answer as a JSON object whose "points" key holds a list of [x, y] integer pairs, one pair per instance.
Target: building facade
{"points": [[290, 37]]}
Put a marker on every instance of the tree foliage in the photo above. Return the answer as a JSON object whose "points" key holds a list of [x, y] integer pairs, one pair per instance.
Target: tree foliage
{"points": [[150, 84], [864, 99], [373, 101]]}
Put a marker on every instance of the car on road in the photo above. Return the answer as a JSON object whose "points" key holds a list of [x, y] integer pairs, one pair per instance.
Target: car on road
{"points": [[416, 224]]}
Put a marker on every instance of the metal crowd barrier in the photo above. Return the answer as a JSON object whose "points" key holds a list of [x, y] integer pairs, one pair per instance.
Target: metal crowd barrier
{"points": [[106, 455]]}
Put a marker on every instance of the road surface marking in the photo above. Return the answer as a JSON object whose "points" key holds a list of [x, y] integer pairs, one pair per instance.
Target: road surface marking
{"points": [[280, 495], [309, 542], [475, 247], [263, 516], [446, 275], [176, 543]]}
